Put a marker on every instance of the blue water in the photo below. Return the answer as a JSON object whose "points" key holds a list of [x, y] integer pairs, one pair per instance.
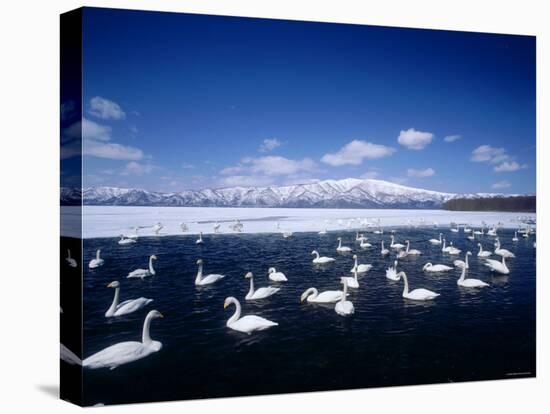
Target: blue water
{"points": [[463, 335]]}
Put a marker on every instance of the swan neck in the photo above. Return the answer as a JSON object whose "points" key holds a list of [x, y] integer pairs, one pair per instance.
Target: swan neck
{"points": [[406, 284], [463, 274], [151, 269], [199, 274], [237, 313], [145, 337], [114, 305], [251, 290], [345, 292], [97, 254]]}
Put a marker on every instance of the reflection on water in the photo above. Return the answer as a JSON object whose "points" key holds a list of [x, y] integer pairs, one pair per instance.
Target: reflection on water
{"points": [[388, 341]]}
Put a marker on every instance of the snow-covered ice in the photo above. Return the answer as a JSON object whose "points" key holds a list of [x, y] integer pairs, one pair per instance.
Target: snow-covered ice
{"points": [[112, 221]]}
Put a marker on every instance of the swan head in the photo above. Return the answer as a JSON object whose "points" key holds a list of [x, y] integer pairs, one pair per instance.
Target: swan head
{"points": [[306, 294], [314, 252], [153, 257], [271, 270], [248, 275], [427, 265], [155, 314], [339, 238], [354, 256], [199, 262], [114, 284], [228, 301], [468, 253]]}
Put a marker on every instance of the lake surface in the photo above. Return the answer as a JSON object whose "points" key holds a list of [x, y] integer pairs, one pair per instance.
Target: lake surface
{"points": [[463, 335]]}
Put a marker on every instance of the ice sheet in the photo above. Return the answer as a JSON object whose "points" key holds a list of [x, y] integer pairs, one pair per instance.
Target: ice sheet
{"points": [[111, 221]]}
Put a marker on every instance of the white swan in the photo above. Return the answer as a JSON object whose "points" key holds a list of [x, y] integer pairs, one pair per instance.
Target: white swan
{"points": [[412, 252], [360, 237], [396, 246], [287, 234], [453, 251], [364, 244], [261, 293], [344, 307], [323, 232], [384, 251], [201, 280], [126, 352], [436, 241], [417, 294], [247, 323], [321, 259], [98, 261], [183, 227], [341, 248], [391, 272], [352, 282], [428, 267], [469, 283], [328, 296], [479, 232], [276, 276], [380, 231], [199, 240], [125, 240], [141, 273], [471, 237], [126, 307], [70, 261], [463, 263], [133, 235], [361, 268], [157, 228], [483, 253], [515, 238], [445, 248], [217, 227], [496, 266], [503, 252], [454, 229]]}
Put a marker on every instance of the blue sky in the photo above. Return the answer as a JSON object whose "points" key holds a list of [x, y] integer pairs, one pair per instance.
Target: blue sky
{"points": [[174, 102]]}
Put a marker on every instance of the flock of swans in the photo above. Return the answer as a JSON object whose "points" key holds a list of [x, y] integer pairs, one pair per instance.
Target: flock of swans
{"points": [[125, 352]]}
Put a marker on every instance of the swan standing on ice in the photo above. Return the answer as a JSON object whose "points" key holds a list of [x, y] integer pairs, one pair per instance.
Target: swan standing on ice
{"points": [[328, 296], [496, 266], [125, 240], [126, 307], [461, 263], [199, 240], [384, 251], [183, 227], [344, 307], [126, 352], [201, 280], [395, 246], [141, 273], [247, 323], [341, 248], [276, 276], [428, 267], [503, 252], [98, 261], [469, 283], [417, 294], [321, 259], [391, 272], [70, 261], [261, 293], [436, 241], [361, 268], [216, 227], [133, 235], [483, 253], [157, 228]]}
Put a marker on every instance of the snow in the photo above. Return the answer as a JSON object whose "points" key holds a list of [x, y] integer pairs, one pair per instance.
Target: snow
{"points": [[111, 221]]}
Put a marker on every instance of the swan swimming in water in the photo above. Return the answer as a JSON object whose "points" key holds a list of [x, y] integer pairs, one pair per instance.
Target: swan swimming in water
{"points": [[391, 272], [410, 251], [321, 259], [503, 252], [199, 240], [469, 283], [428, 267], [341, 248], [247, 323], [261, 293], [125, 240], [515, 238], [483, 253], [126, 307], [364, 244], [417, 294], [98, 261], [396, 246], [70, 261], [126, 352], [276, 276], [461, 264], [352, 282], [141, 273], [361, 268], [323, 232], [344, 307], [360, 237], [312, 295], [201, 280], [436, 241], [384, 251], [496, 266]]}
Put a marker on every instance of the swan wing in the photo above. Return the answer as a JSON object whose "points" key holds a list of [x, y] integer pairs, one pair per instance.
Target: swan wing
{"points": [[265, 292], [118, 354], [138, 272], [206, 280], [473, 283], [328, 296], [250, 323], [344, 308], [131, 305], [278, 277], [422, 294]]}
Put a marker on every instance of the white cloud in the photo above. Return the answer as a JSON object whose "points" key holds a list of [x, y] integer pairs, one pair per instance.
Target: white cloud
{"points": [[246, 181], [487, 153], [428, 172], [136, 168], [507, 166], [452, 138], [354, 152], [237, 169], [269, 144], [501, 185], [370, 174], [414, 140], [105, 109], [275, 165]]}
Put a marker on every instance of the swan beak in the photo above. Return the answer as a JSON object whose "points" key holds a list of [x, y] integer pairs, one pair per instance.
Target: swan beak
{"points": [[110, 285], [225, 305], [161, 315]]}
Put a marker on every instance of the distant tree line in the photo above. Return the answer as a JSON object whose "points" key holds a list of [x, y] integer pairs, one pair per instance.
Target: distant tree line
{"points": [[515, 203]]}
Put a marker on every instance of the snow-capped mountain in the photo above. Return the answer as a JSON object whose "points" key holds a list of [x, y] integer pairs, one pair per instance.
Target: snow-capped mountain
{"points": [[346, 193]]}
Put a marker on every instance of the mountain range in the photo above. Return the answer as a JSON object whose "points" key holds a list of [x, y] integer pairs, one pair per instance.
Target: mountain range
{"points": [[345, 193]]}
